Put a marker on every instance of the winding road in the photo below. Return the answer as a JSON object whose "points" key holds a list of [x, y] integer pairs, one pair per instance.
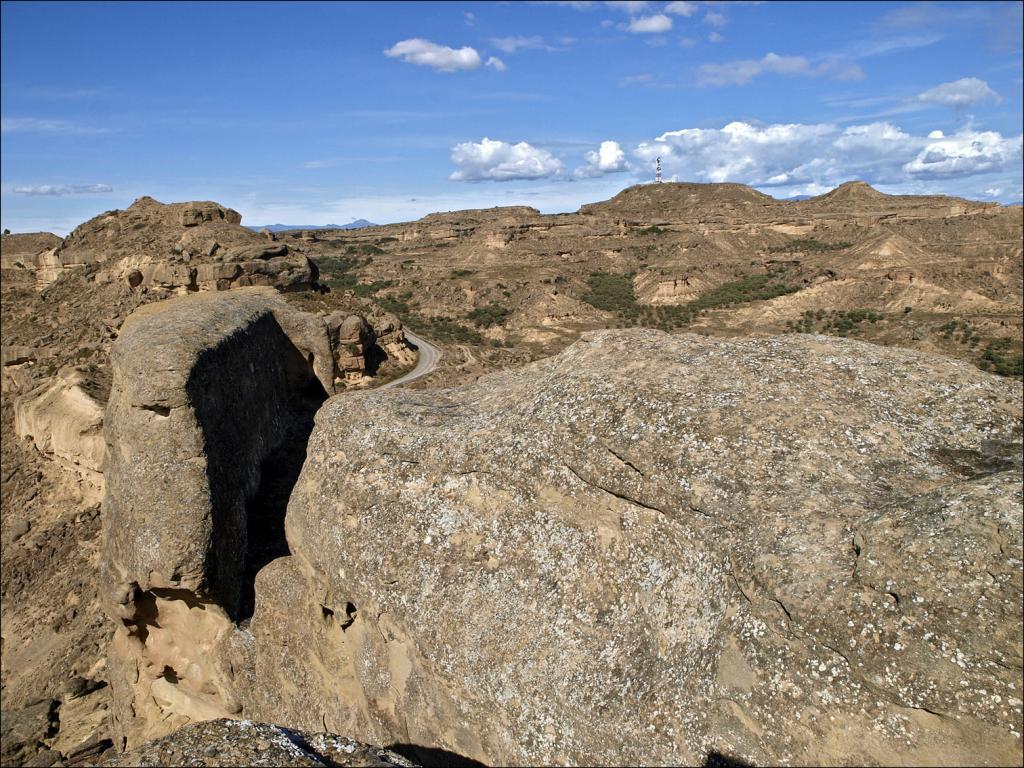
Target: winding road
{"points": [[427, 362]]}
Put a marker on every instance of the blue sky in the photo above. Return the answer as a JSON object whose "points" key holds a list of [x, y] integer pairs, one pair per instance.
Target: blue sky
{"points": [[323, 113]]}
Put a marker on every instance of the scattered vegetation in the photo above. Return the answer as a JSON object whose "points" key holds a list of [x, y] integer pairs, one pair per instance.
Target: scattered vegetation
{"points": [[653, 230], [494, 313], [960, 330], [366, 290], [340, 273], [838, 322], [365, 249], [611, 292], [444, 329], [614, 293], [805, 245], [997, 355], [998, 358], [460, 273]]}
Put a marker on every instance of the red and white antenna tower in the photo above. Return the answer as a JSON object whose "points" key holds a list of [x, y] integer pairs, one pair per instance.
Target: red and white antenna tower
{"points": [[657, 172]]}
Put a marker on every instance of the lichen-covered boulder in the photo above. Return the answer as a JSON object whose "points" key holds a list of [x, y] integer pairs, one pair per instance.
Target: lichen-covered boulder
{"points": [[651, 548]]}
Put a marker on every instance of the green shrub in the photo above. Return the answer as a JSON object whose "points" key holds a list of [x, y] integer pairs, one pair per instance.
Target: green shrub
{"points": [[611, 292], [493, 314], [806, 245], [840, 322], [366, 290], [998, 358]]}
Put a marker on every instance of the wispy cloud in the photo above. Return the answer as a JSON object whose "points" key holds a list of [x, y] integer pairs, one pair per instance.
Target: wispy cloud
{"points": [[715, 19], [632, 80], [56, 93], [61, 190], [681, 8], [957, 95], [1001, 22], [879, 46], [960, 93], [745, 70], [515, 43], [46, 125]]}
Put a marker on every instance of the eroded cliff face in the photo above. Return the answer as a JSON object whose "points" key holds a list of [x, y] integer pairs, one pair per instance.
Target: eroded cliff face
{"points": [[649, 548]]}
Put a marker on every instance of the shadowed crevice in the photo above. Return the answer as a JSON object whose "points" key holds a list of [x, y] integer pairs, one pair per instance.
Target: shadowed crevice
{"points": [[255, 396], [432, 757]]}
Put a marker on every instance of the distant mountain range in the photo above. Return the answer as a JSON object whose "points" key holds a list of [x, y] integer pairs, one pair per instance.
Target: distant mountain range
{"points": [[282, 227]]}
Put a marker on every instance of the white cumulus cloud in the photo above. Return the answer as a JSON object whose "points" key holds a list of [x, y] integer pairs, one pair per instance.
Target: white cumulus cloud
{"points": [[490, 160], [799, 157], [960, 93], [965, 153], [496, 64], [440, 57], [659, 22], [608, 158]]}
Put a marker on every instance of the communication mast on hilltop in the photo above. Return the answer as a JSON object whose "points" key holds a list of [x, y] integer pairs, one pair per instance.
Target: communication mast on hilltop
{"points": [[657, 172]]}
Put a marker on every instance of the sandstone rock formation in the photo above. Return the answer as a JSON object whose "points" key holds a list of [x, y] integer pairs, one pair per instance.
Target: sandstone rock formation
{"points": [[647, 549], [23, 250], [352, 339], [205, 390], [66, 423], [391, 338], [177, 247], [244, 743], [650, 548]]}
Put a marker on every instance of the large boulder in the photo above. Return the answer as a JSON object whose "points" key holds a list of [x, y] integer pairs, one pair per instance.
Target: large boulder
{"points": [[651, 549], [352, 339], [207, 390]]}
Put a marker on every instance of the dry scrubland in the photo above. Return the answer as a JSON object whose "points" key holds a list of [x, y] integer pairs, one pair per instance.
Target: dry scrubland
{"points": [[702, 476]]}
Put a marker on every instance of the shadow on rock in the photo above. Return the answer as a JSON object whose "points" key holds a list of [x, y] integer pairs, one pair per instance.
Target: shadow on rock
{"points": [[432, 757], [717, 759]]}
